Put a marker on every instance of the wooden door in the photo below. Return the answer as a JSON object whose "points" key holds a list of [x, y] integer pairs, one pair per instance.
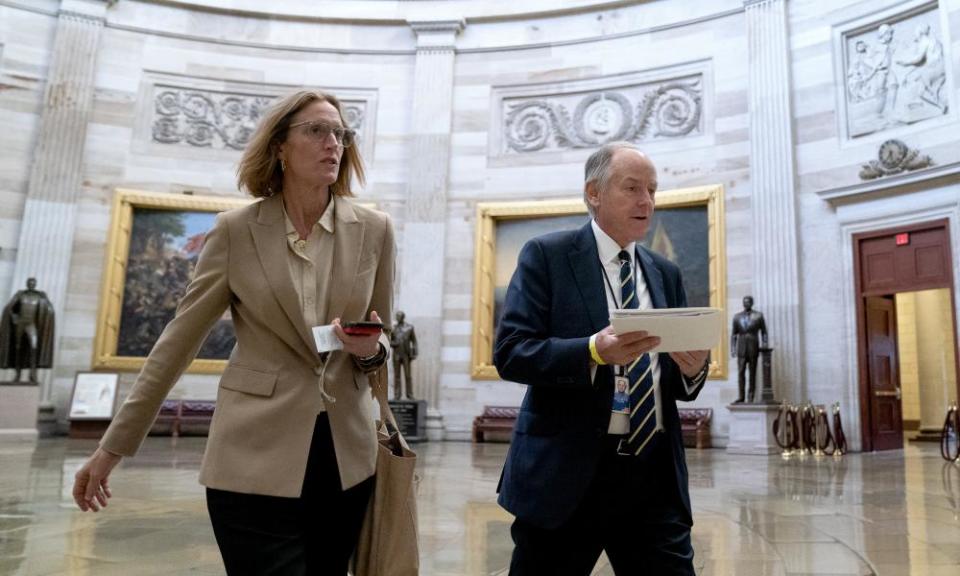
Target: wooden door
{"points": [[883, 373], [907, 259]]}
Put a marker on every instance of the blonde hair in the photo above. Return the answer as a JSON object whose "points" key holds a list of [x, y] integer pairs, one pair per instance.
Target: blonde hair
{"points": [[260, 173]]}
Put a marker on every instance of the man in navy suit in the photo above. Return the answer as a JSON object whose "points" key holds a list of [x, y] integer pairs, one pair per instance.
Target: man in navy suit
{"points": [[582, 477]]}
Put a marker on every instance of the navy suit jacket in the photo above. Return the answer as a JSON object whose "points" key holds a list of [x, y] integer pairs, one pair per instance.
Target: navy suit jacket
{"points": [[554, 303]]}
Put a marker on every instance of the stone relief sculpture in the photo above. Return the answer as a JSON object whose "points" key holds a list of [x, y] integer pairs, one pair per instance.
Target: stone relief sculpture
{"points": [[894, 157], [925, 72], [666, 110], [895, 75], [208, 119]]}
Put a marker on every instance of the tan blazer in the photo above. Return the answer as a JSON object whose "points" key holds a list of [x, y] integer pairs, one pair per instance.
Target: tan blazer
{"points": [[269, 396]]}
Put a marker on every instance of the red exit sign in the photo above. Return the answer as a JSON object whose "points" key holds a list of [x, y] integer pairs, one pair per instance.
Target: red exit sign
{"points": [[903, 239]]}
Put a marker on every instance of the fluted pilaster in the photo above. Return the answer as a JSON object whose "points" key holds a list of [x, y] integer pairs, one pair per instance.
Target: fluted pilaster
{"points": [[46, 233], [422, 266], [775, 250]]}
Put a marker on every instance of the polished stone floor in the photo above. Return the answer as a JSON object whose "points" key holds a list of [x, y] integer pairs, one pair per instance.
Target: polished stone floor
{"points": [[893, 513]]}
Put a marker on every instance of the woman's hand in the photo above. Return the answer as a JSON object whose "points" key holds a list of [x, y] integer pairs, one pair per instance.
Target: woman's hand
{"points": [[90, 488], [359, 346]]}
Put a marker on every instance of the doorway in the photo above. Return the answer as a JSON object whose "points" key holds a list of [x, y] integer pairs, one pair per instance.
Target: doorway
{"points": [[925, 328], [893, 270]]}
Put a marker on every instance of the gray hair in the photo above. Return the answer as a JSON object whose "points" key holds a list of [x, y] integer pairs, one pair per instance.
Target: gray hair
{"points": [[597, 168]]}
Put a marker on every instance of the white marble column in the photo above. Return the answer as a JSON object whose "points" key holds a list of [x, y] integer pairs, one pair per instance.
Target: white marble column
{"points": [[46, 232], [424, 228], [772, 172]]}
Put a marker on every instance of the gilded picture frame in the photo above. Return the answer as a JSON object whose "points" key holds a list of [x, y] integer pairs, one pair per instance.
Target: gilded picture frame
{"points": [[129, 209], [700, 209]]}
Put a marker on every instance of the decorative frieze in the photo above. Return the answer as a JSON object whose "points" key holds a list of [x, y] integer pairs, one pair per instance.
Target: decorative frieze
{"points": [[893, 70], [894, 157], [221, 120], [671, 108], [220, 116]]}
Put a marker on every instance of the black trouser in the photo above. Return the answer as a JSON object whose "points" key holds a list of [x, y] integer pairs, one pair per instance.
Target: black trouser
{"points": [[631, 510], [313, 535]]}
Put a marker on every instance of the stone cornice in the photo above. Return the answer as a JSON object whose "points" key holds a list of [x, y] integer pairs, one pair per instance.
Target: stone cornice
{"points": [[122, 23], [887, 185], [374, 12]]}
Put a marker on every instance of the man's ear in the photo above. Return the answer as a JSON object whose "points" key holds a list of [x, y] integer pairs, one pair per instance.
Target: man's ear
{"points": [[593, 194]]}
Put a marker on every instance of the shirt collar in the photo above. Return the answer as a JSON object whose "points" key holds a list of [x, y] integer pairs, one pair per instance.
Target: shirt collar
{"points": [[608, 248], [326, 221]]}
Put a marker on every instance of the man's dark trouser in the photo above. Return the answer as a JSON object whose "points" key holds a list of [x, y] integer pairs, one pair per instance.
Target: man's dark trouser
{"points": [[632, 514]]}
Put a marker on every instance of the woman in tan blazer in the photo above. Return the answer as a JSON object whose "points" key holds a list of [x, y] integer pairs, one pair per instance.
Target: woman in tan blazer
{"points": [[292, 446]]}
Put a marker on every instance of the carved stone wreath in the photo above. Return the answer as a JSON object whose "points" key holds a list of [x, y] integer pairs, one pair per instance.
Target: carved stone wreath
{"points": [[894, 157], [670, 110], [207, 119]]}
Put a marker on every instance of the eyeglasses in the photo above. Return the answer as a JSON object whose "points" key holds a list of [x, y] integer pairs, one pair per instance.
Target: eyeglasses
{"points": [[318, 131]]}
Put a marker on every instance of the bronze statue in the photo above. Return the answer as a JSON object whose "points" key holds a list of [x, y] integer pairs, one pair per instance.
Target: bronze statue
{"points": [[26, 332], [745, 346], [403, 341]]}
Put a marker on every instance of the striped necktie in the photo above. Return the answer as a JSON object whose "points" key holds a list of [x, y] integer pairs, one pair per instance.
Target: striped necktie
{"points": [[643, 407]]}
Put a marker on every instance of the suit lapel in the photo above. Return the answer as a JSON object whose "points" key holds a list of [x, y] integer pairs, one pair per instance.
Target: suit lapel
{"points": [[585, 263], [347, 249], [270, 237], [653, 278]]}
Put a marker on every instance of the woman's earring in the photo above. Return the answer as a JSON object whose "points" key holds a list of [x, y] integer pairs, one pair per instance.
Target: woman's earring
{"points": [[283, 165]]}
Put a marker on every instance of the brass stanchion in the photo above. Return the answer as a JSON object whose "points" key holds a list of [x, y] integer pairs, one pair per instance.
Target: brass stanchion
{"points": [[780, 432], [839, 438]]}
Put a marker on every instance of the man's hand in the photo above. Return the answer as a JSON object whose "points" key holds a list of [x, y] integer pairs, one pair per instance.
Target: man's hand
{"points": [[359, 346], [622, 349], [690, 363], [90, 487]]}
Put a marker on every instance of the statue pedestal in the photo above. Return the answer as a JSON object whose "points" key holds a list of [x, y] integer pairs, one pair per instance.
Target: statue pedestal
{"points": [[411, 416], [19, 403], [766, 390], [435, 429], [751, 429]]}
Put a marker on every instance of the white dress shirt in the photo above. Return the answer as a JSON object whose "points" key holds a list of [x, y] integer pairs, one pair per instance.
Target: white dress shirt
{"points": [[609, 253]]}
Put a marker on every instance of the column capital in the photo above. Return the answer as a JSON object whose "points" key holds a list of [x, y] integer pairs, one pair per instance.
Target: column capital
{"points": [[754, 3], [436, 34], [86, 9]]}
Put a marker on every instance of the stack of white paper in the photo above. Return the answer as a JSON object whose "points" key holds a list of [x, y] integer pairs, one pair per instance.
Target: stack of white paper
{"points": [[679, 329]]}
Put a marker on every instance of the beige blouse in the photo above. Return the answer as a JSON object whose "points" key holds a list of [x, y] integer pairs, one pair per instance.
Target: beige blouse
{"points": [[311, 262]]}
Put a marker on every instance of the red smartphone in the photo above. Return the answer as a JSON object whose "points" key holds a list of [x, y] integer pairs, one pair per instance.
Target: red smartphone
{"points": [[362, 328]]}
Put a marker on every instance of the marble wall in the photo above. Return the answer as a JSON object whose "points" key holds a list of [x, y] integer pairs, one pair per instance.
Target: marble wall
{"points": [[535, 87], [833, 200]]}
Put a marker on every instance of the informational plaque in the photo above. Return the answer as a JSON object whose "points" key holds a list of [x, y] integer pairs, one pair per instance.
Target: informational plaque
{"points": [[411, 416], [94, 396]]}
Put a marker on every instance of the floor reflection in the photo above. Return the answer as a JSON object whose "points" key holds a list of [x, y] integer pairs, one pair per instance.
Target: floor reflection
{"points": [[893, 513]]}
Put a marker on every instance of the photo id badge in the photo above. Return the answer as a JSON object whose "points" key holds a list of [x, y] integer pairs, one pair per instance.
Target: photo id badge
{"points": [[621, 395]]}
